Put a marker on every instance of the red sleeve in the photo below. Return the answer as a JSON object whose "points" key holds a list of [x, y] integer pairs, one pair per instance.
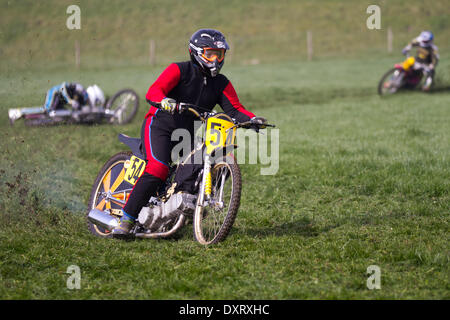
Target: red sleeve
{"points": [[167, 80], [233, 106]]}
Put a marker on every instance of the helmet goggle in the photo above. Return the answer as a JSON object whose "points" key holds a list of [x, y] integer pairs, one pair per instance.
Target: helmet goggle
{"points": [[212, 54]]}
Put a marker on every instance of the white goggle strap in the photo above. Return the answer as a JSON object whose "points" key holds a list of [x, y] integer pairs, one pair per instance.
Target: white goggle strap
{"points": [[197, 49], [199, 53]]}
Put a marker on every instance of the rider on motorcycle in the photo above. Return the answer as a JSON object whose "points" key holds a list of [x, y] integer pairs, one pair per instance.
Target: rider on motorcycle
{"points": [[73, 94], [427, 56], [196, 82]]}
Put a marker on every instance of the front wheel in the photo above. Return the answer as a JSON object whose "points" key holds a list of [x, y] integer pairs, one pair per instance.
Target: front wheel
{"points": [[391, 82], [110, 191], [214, 219], [124, 104]]}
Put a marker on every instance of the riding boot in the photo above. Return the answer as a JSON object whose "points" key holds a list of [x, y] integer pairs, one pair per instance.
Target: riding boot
{"points": [[145, 187], [427, 85], [126, 223]]}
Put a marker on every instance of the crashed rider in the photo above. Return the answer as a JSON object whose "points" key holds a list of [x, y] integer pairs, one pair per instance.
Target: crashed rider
{"points": [[73, 94]]}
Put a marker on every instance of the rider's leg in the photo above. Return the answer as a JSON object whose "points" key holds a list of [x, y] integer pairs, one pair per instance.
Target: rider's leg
{"points": [[429, 76], [399, 80], [145, 187], [192, 162], [187, 172], [156, 138]]}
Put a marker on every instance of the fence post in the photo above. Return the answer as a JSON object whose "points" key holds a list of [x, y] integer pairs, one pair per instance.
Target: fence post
{"points": [[77, 54], [390, 38], [309, 44], [152, 55]]}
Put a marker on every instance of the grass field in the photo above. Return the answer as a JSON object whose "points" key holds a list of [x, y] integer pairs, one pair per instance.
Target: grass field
{"points": [[362, 181]]}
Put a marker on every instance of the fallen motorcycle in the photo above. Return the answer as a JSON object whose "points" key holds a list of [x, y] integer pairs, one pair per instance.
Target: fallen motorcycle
{"points": [[213, 207], [119, 109]]}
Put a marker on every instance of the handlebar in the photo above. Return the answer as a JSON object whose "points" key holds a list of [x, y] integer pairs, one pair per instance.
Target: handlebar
{"points": [[181, 107], [192, 108], [250, 125]]}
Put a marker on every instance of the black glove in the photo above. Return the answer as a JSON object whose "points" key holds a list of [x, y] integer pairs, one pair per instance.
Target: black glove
{"points": [[258, 123]]}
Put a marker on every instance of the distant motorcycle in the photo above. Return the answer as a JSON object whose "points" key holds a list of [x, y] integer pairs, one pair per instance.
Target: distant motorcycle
{"points": [[119, 109], [405, 75]]}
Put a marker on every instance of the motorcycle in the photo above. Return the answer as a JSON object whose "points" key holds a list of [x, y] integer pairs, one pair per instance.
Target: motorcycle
{"points": [[213, 207], [405, 75], [119, 109]]}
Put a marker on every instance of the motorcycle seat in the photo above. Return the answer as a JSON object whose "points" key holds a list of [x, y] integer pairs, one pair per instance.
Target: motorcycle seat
{"points": [[134, 144]]}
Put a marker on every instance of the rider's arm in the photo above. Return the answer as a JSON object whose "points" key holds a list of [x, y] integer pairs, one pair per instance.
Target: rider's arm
{"points": [[406, 49], [167, 80], [230, 103], [409, 46], [81, 92], [414, 43], [65, 94]]}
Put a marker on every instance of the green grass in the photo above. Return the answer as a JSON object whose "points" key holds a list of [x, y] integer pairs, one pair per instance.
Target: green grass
{"points": [[362, 181]]}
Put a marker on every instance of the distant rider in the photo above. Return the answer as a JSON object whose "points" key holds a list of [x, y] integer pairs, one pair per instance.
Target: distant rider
{"points": [[73, 94], [427, 56]]}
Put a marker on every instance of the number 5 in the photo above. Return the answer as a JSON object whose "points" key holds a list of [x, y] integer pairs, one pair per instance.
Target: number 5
{"points": [[215, 132]]}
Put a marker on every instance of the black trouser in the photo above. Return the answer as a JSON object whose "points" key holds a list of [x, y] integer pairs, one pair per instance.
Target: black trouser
{"points": [[156, 135]]}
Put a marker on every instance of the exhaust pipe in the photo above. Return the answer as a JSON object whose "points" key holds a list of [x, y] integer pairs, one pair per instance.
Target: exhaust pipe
{"points": [[60, 113], [103, 219]]}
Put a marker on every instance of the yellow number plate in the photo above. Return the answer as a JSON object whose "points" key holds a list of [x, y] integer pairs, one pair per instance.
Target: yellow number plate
{"points": [[217, 135], [136, 167]]}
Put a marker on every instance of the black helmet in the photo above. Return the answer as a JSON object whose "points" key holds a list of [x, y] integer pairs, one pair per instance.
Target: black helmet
{"points": [[207, 48]]}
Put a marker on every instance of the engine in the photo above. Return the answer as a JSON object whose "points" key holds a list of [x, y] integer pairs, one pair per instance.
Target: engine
{"points": [[155, 217]]}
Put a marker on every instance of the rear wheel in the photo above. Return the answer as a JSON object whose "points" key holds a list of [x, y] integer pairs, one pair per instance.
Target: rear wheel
{"points": [[125, 104], [110, 191], [390, 82], [213, 222]]}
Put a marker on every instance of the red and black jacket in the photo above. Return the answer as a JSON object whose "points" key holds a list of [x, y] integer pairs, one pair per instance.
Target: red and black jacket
{"points": [[185, 82]]}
